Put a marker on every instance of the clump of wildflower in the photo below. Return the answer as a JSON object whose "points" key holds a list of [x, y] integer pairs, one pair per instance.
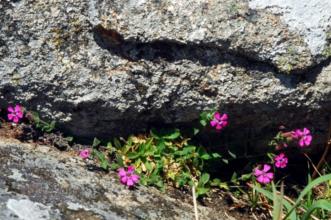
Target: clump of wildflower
{"points": [[264, 175], [219, 121], [85, 153], [281, 160], [304, 136], [15, 113], [128, 177]]}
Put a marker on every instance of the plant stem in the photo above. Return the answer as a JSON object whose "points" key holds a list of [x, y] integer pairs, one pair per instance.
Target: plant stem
{"points": [[195, 203]]}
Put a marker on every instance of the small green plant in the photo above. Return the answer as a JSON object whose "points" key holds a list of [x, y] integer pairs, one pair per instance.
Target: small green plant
{"points": [[161, 158], [304, 207], [165, 158], [101, 157], [44, 126]]}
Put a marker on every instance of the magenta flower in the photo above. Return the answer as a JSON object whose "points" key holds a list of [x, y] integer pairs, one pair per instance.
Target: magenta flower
{"points": [[281, 160], [85, 153], [263, 176], [15, 114], [219, 121], [128, 177], [303, 136]]}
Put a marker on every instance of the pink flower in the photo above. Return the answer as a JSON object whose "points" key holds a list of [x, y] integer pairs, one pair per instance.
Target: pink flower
{"points": [[303, 136], [15, 114], [281, 160], [128, 177], [85, 153], [219, 121], [263, 176]]}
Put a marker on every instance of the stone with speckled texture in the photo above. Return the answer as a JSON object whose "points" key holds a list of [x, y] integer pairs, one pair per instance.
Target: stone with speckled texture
{"points": [[102, 68], [58, 186]]}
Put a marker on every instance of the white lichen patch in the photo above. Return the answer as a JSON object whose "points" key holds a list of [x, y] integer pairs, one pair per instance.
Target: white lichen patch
{"points": [[16, 175], [28, 210], [76, 206], [310, 18]]}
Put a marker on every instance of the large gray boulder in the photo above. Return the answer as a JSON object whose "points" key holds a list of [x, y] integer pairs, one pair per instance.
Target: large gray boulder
{"points": [[113, 67], [38, 183]]}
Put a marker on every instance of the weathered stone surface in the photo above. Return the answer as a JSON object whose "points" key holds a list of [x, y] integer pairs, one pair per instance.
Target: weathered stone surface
{"points": [[38, 183], [113, 67], [228, 25]]}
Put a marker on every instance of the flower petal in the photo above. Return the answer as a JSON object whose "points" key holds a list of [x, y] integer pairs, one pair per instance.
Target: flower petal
{"points": [[15, 119], [266, 168], [261, 179], [269, 175], [306, 131], [257, 172], [10, 109], [130, 169], [124, 179], [19, 114], [302, 142], [130, 182], [18, 108], [224, 117], [308, 140], [213, 123], [135, 178], [121, 172], [10, 116], [217, 116], [219, 127]]}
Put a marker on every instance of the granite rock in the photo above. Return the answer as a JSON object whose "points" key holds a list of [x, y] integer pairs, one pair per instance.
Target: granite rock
{"points": [[40, 183], [103, 68]]}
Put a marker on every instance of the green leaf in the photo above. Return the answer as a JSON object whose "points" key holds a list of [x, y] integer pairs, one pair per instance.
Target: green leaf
{"points": [[205, 156], [224, 185], [114, 166], [307, 189], [246, 177], [188, 150], [148, 166], [96, 142], [319, 204], [277, 212], [215, 182], [270, 196], [104, 164], [69, 139], [226, 161], [204, 179], [117, 143], [216, 155], [167, 135], [232, 154], [196, 131], [133, 155], [202, 191], [234, 177], [203, 123], [35, 117]]}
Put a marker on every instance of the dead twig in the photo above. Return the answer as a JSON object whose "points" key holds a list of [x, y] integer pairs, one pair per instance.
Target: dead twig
{"points": [[195, 203]]}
